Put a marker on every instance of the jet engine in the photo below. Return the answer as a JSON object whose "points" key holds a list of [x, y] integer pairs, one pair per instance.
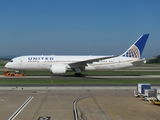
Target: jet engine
{"points": [[58, 69]]}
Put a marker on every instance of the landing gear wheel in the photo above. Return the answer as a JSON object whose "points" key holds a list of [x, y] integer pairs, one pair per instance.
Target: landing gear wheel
{"points": [[78, 75]]}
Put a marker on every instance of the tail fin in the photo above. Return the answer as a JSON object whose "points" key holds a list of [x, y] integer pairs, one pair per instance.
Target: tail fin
{"points": [[135, 51]]}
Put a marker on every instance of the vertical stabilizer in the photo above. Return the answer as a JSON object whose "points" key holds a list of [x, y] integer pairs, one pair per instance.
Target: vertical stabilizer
{"points": [[136, 50]]}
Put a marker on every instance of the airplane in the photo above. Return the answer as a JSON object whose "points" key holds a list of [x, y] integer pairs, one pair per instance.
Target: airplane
{"points": [[57, 64]]}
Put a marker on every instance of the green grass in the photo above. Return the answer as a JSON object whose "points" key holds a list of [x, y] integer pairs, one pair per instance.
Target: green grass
{"points": [[118, 73], [106, 81], [79, 81]]}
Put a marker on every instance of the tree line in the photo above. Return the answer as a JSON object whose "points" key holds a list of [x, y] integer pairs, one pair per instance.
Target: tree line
{"points": [[154, 60]]}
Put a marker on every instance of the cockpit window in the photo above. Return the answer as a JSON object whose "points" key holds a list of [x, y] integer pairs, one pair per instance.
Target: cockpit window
{"points": [[11, 61]]}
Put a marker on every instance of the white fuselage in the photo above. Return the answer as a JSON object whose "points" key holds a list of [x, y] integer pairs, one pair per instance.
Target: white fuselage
{"points": [[62, 64], [37, 62]]}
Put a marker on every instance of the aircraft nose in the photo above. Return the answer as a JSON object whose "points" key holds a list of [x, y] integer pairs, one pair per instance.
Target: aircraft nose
{"points": [[7, 65]]}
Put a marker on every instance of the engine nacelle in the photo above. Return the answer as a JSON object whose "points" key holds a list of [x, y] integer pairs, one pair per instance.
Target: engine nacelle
{"points": [[58, 69]]}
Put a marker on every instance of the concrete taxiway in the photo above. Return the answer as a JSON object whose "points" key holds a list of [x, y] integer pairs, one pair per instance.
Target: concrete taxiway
{"points": [[93, 102], [69, 77], [56, 103]]}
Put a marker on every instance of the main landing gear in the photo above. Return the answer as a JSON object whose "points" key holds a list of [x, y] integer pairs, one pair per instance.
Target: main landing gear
{"points": [[78, 75]]}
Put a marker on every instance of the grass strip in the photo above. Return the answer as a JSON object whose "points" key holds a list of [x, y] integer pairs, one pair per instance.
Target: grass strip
{"points": [[78, 81]]}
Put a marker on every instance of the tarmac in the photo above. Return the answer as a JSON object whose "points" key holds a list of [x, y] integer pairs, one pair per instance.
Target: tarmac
{"points": [[56, 103], [72, 77], [92, 102]]}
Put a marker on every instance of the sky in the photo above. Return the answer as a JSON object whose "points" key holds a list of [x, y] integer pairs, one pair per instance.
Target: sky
{"points": [[78, 27]]}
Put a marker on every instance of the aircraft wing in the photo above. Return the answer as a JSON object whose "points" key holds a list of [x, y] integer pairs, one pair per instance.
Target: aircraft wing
{"points": [[84, 62]]}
